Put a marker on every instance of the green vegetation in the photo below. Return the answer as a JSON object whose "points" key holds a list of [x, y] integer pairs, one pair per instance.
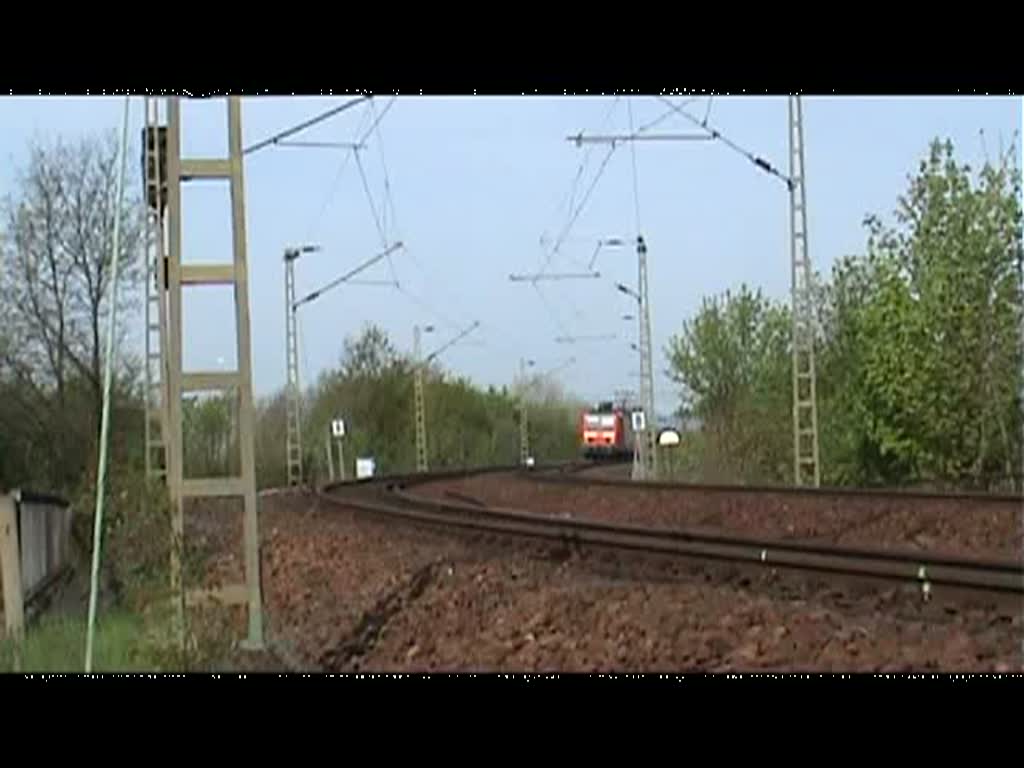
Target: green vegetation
{"points": [[918, 347], [57, 645], [372, 389], [56, 224], [919, 356]]}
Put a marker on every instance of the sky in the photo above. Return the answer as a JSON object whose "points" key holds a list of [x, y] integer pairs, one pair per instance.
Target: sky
{"points": [[478, 185]]}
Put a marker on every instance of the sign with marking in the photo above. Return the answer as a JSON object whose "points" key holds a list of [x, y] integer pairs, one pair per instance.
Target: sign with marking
{"points": [[639, 422], [338, 427]]}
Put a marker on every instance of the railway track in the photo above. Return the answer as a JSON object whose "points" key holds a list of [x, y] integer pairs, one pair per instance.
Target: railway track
{"points": [[391, 497], [590, 473]]}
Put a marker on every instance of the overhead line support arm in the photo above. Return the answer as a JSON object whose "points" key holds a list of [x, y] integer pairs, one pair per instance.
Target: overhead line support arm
{"points": [[351, 273], [580, 139], [461, 336], [553, 276], [276, 138]]}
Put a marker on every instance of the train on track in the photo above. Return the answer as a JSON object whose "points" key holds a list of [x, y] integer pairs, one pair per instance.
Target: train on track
{"points": [[606, 432]]}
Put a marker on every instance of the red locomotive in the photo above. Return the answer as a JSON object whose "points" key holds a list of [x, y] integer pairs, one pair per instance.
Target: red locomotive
{"points": [[606, 432]]}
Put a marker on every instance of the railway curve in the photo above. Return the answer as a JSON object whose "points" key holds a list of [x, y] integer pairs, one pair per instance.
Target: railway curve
{"points": [[930, 572]]}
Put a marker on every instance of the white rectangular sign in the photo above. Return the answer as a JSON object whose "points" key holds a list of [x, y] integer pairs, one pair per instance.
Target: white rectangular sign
{"points": [[338, 428], [639, 422], [365, 468]]}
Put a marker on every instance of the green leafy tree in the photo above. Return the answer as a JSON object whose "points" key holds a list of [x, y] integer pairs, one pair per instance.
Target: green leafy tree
{"points": [[372, 389], [731, 361], [210, 428], [919, 348], [929, 363]]}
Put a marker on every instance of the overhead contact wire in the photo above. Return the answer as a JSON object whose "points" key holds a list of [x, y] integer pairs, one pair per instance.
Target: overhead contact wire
{"points": [[757, 160], [376, 217]]}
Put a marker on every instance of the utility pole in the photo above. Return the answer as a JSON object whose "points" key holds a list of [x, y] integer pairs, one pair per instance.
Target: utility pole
{"points": [[154, 170], [645, 464], [648, 457], [418, 372], [293, 396], [806, 460], [806, 457], [231, 272], [524, 407], [419, 405], [293, 429], [524, 426]]}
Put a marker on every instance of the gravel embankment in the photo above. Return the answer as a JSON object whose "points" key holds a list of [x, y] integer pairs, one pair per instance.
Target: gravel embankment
{"points": [[346, 592]]}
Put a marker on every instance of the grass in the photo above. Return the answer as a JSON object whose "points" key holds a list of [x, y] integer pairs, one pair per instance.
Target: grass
{"points": [[57, 645]]}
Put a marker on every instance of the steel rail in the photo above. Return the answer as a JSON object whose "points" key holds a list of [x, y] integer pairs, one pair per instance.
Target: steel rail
{"points": [[927, 570], [578, 478], [914, 558]]}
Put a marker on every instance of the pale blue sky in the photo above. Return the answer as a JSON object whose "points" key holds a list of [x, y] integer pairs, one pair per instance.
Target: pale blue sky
{"points": [[476, 182]]}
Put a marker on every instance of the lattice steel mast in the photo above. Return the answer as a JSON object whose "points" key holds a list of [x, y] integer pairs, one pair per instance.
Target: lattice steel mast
{"points": [[293, 389], [154, 170], [418, 402], [806, 459], [420, 366], [524, 425], [293, 429], [648, 457], [234, 273]]}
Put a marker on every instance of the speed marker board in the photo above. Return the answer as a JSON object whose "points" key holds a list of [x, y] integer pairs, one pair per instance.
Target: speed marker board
{"points": [[639, 422]]}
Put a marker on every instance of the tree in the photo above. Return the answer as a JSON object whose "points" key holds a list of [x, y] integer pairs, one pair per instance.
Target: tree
{"points": [[369, 355], [372, 389], [932, 354], [731, 361], [54, 292], [919, 347], [210, 436]]}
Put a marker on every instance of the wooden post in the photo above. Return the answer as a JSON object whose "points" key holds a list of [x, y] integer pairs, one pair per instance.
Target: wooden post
{"points": [[10, 563]]}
